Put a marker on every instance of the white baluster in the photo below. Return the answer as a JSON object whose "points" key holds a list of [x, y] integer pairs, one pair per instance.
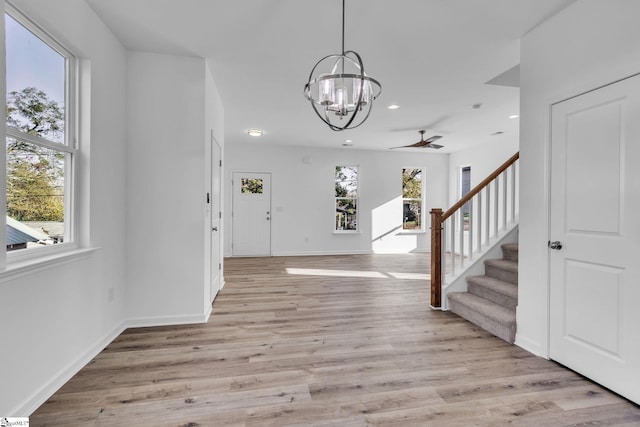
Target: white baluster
{"points": [[513, 192], [461, 220], [504, 200], [480, 220], [471, 228]]}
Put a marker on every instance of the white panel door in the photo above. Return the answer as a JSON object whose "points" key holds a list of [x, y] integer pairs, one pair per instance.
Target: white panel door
{"points": [[216, 214], [595, 236], [251, 214]]}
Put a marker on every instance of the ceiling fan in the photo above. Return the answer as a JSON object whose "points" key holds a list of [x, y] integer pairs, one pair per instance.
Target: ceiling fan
{"points": [[426, 143]]}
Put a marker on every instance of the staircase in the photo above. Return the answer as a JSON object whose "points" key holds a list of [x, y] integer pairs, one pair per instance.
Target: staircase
{"points": [[490, 301]]}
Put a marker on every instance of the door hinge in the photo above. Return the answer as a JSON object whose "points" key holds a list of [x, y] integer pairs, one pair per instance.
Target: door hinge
{"points": [[219, 214], [208, 198], [220, 163], [219, 266]]}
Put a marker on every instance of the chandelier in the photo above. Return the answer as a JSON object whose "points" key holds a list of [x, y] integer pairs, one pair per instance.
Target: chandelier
{"points": [[339, 90]]}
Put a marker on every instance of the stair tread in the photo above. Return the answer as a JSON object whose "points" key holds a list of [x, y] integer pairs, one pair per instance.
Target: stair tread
{"points": [[485, 307], [503, 264], [497, 285], [510, 247]]}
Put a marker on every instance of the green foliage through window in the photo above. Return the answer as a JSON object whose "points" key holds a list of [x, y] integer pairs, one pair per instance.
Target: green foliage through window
{"points": [[412, 199], [346, 196], [251, 185]]}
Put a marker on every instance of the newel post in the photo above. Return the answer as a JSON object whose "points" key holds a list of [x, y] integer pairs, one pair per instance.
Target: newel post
{"points": [[436, 257]]}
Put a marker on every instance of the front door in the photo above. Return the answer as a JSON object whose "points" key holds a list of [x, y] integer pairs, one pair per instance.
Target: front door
{"points": [[594, 248], [251, 214]]}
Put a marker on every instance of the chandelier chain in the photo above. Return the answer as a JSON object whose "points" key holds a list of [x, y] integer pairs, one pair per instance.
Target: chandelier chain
{"points": [[343, 8]]}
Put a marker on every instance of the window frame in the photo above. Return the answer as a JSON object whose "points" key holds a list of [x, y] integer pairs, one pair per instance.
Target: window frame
{"points": [[68, 147], [355, 199], [413, 199]]}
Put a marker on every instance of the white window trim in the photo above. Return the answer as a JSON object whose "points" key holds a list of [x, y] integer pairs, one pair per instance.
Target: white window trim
{"points": [[422, 228], [357, 200], [21, 262]]}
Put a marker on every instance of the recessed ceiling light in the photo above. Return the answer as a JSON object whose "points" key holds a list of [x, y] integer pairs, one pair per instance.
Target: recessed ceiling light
{"points": [[254, 132], [393, 107], [497, 133], [514, 116], [348, 141]]}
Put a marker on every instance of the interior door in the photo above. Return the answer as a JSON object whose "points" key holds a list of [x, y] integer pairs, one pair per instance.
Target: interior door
{"points": [[216, 214], [251, 214], [595, 236]]}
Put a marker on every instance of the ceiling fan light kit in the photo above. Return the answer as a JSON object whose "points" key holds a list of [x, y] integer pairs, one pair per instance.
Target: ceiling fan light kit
{"points": [[339, 90]]}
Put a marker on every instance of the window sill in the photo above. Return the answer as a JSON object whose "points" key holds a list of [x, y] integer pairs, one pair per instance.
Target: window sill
{"points": [[22, 268], [346, 232]]}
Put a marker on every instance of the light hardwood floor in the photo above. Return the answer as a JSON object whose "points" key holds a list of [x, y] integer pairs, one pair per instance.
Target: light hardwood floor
{"points": [[327, 341]]}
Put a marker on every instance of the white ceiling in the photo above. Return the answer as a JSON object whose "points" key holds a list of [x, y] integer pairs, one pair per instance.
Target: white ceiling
{"points": [[433, 58]]}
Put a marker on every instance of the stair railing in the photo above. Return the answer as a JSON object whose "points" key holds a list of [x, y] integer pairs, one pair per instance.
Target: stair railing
{"points": [[471, 223]]}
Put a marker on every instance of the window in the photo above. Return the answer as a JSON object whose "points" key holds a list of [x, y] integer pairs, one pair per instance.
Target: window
{"points": [[251, 186], [40, 139], [346, 198], [411, 199], [465, 187]]}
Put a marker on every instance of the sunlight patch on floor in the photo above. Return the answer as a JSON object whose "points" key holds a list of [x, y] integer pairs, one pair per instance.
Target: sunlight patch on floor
{"points": [[357, 273], [410, 276]]}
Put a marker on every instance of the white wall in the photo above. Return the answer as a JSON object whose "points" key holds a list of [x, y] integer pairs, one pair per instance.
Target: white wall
{"points": [[53, 321], [167, 98], [483, 159], [589, 44], [303, 208]]}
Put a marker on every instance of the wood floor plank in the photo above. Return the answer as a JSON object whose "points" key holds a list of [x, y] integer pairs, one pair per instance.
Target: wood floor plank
{"points": [[327, 341]]}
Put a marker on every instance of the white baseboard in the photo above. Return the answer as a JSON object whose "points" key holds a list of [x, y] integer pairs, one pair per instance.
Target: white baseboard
{"points": [[41, 395], [207, 314], [187, 319], [528, 344]]}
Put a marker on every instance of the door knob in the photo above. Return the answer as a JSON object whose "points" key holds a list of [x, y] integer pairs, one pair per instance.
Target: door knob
{"points": [[556, 244], [214, 228]]}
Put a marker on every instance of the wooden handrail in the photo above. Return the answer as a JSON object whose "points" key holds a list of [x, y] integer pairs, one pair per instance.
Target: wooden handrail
{"points": [[437, 219], [478, 188]]}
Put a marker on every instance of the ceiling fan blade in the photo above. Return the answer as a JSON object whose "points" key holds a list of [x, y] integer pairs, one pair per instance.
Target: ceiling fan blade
{"points": [[433, 138], [423, 143], [434, 146], [416, 145]]}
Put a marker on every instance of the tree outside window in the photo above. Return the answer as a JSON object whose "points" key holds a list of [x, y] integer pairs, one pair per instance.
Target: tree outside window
{"points": [[411, 199], [346, 198]]}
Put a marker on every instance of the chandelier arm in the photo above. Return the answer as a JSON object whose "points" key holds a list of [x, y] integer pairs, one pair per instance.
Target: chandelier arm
{"points": [[324, 119], [359, 104], [363, 76], [365, 118]]}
